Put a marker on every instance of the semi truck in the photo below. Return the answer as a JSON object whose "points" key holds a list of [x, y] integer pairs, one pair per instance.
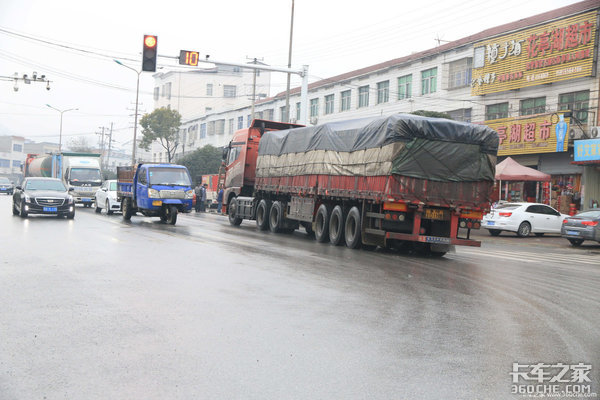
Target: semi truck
{"points": [[154, 190], [391, 181], [79, 171]]}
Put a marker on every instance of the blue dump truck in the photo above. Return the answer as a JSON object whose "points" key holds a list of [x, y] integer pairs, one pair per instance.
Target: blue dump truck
{"points": [[155, 190]]}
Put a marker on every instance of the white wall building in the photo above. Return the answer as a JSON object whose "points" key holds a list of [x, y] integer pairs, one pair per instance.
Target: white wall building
{"points": [[12, 156]]}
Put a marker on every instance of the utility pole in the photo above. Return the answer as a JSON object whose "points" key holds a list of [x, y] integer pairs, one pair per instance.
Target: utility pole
{"points": [[286, 117], [106, 163]]}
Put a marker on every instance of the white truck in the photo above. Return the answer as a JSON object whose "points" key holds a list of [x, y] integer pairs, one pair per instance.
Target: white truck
{"points": [[80, 171]]}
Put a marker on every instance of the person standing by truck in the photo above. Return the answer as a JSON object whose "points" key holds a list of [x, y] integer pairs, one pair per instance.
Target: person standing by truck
{"points": [[203, 198], [220, 200], [198, 192]]}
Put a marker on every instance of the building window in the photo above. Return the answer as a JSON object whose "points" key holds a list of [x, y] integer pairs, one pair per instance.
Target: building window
{"points": [[209, 89], [202, 131], [363, 96], [463, 114], [230, 125], [405, 87], [16, 164], [156, 93], [459, 73], [383, 92], [298, 110], [211, 128], [314, 108], [18, 147], [496, 111], [220, 127], [240, 122], [533, 106], [283, 114], [429, 81], [578, 102], [346, 98], [4, 163], [229, 91], [329, 104], [249, 119], [168, 94]]}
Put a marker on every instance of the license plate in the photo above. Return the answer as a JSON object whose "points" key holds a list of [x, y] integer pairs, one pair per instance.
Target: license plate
{"points": [[49, 209], [575, 233], [433, 213], [86, 200], [491, 223]]}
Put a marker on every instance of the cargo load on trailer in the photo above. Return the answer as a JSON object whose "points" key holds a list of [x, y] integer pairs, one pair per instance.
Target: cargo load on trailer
{"points": [[372, 181]]}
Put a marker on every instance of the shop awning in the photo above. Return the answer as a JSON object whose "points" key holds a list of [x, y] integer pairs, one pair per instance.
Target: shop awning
{"points": [[510, 170]]}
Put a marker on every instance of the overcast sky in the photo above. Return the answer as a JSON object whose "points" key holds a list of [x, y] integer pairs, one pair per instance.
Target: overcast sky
{"points": [[331, 37]]}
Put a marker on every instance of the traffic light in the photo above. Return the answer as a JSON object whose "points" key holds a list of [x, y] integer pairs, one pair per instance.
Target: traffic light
{"points": [[149, 53]]}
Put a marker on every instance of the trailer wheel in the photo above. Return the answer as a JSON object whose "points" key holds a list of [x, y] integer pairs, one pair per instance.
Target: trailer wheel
{"points": [[276, 217], [352, 229], [322, 224], [262, 214], [336, 226], [171, 215], [231, 211], [127, 209]]}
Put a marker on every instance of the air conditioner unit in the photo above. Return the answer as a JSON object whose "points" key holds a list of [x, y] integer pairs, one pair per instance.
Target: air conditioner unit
{"points": [[314, 120], [595, 132], [577, 133]]}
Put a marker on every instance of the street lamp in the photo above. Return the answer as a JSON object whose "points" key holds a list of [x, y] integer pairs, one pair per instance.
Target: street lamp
{"points": [[61, 117], [137, 93]]}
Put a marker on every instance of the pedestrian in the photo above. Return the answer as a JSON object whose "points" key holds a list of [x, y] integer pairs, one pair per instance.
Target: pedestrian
{"points": [[220, 200], [203, 198], [198, 192]]}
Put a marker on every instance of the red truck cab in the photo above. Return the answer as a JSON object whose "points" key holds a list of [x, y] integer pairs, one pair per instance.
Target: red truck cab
{"points": [[240, 157]]}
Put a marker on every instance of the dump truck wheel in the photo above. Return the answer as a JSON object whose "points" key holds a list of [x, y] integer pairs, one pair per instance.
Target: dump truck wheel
{"points": [[336, 226], [127, 209], [171, 215], [231, 211], [322, 224]]}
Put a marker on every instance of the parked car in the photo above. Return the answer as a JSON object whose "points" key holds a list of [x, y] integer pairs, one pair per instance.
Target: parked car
{"points": [[6, 186], [523, 219], [582, 226], [43, 196], [106, 197]]}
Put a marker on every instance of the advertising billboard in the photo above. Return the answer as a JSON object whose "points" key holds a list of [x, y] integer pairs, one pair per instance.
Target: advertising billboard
{"points": [[556, 51]]}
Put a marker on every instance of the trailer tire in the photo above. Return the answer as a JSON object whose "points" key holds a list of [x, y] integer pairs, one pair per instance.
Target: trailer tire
{"points": [[276, 217], [322, 223], [262, 214], [352, 229], [231, 210], [336, 226], [127, 209]]}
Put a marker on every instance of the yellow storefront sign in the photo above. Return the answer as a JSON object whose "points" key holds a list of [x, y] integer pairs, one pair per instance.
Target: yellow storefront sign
{"points": [[552, 52], [544, 133]]}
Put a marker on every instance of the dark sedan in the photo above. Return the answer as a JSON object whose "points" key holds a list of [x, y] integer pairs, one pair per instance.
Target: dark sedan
{"points": [[47, 196], [6, 185], [582, 226]]}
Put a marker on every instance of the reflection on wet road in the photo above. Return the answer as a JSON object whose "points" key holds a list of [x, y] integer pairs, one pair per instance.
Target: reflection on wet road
{"points": [[98, 308]]}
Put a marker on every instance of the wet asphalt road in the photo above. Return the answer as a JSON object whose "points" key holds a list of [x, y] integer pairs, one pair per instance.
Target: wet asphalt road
{"points": [[97, 308]]}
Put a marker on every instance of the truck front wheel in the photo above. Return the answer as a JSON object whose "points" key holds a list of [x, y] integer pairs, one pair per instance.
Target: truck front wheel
{"points": [[127, 209], [231, 213], [170, 213]]}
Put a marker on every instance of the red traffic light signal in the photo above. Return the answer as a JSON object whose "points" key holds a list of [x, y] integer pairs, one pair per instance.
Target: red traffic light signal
{"points": [[149, 53]]}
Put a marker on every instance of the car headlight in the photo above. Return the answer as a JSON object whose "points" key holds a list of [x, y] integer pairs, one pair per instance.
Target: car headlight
{"points": [[69, 199], [189, 195], [153, 194], [27, 198]]}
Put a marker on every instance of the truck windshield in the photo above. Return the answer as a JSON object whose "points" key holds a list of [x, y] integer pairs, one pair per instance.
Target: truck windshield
{"points": [[169, 176], [85, 174]]}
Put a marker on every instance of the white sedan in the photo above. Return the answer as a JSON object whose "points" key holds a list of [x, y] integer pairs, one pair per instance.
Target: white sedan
{"points": [[106, 197], [523, 219]]}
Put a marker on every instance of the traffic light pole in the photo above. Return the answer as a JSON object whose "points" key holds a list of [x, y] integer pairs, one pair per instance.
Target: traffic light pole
{"points": [[303, 73]]}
